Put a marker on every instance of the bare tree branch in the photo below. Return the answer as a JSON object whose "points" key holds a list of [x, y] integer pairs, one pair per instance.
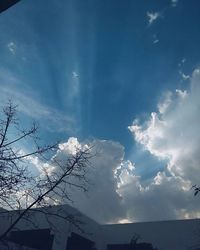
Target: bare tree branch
{"points": [[19, 189]]}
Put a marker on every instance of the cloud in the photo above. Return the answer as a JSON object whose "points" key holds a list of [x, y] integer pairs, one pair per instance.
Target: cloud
{"points": [[75, 75], [101, 202], [164, 198], [117, 194], [152, 17], [174, 3], [181, 93], [172, 134], [183, 60], [12, 47], [155, 41], [184, 76]]}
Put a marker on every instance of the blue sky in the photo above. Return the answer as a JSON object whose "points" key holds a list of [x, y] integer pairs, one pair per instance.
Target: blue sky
{"points": [[88, 69]]}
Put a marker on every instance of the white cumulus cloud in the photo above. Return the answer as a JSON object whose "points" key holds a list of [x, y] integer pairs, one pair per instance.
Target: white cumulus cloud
{"points": [[101, 202], [117, 194], [152, 17], [173, 133]]}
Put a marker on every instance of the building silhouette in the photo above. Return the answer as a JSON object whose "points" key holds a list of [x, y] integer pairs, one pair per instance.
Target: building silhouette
{"points": [[58, 234]]}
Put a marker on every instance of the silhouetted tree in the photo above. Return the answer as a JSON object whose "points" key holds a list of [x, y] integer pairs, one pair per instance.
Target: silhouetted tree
{"points": [[135, 239], [20, 188], [134, 245], [196, 189]]}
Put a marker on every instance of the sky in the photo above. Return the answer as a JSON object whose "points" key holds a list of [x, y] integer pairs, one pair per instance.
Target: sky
{"points": [[123, 75]]}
